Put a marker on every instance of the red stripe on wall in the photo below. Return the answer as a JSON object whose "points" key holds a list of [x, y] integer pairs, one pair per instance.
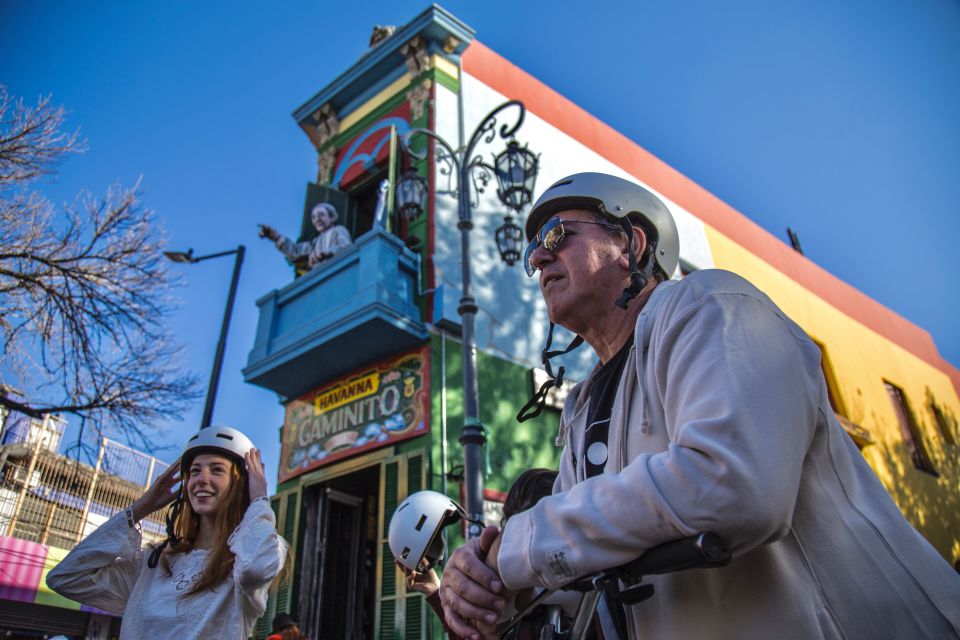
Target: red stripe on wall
{"points": [[508, 79]]}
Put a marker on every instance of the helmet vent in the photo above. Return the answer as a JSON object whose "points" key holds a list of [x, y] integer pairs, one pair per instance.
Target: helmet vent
{"points": [[405, 553], [225, 436], [421, 522], [561, 183]]}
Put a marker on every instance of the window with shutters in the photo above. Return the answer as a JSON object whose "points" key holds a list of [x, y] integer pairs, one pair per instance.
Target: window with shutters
{"points": [[909, 430], [402, 613]]}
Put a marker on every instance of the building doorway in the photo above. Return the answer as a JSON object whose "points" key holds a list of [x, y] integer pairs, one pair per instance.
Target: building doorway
{"points": [[337, 578]]}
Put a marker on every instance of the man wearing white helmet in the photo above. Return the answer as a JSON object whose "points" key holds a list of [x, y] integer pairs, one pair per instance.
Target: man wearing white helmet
{"points": [[707, 412], [210, 578]]}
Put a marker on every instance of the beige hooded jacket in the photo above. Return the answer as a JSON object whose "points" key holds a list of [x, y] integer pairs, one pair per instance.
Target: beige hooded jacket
{"points": [[723, 424]]}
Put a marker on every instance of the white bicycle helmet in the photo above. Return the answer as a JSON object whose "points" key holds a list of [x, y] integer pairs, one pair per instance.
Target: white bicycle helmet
{"points": [[220, 440], [415, 527]]}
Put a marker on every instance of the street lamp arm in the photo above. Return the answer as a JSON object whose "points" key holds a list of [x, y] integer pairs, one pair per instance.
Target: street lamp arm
{"points": [[217, 255], [487, 129], [422, 155]]}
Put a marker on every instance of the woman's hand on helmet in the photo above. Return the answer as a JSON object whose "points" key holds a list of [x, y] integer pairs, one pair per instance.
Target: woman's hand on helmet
{"points": [[159, 494], [256, 480], [425, 582]]}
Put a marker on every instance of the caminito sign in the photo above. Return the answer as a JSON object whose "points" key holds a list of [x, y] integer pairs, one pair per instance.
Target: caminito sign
{"points": [[367, 409]]}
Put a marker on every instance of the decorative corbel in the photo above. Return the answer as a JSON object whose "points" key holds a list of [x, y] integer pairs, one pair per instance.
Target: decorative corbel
{"points": [[325, 164], [322, 126], [450, 44], [418, 97], [415, 55]]}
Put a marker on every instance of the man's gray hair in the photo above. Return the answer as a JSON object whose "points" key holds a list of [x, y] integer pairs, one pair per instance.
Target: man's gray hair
{"points": [[613, 228], [327, 208]]}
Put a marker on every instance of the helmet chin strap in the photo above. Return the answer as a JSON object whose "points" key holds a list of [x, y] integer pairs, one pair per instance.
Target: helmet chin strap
{"points": [[638, 278], [535, 404]]}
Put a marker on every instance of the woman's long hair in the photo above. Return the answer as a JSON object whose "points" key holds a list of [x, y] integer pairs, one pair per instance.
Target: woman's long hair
{"points": [[219, 563]]}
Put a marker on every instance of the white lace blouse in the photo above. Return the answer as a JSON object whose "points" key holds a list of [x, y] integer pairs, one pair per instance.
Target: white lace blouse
{"points": [[108, 570]]}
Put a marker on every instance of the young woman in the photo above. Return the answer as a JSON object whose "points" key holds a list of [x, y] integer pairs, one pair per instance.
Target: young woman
{"points": [[210, 578]]}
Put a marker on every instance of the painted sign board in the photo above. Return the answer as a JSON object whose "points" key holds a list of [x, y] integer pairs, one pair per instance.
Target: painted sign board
{"points": [[376, 406]]}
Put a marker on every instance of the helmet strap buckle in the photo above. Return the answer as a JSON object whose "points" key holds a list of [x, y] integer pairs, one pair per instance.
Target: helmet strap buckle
{"points": [[535, 404]]}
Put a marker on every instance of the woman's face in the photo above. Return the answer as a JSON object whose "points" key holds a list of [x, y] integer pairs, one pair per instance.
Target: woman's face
{"points": [[208, 483]]}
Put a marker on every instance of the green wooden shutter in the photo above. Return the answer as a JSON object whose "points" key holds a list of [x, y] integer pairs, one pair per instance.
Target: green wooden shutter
{"points": [[262, 628], [388, 583], [290, 535], [414, 474], [402, 612], [415, 611], [413, 626], [387, 619]]}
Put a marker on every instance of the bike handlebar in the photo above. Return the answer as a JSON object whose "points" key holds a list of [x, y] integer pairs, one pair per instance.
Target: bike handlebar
{"points": [[700, 551]]}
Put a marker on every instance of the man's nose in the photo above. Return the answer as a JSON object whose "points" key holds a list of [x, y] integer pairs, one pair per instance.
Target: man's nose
{"points": [[540, 257]]}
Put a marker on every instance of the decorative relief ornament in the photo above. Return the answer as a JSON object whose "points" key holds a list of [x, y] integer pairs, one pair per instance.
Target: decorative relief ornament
{"points": [[381, 33], [418, 97], [415, 55], [325, 164]]}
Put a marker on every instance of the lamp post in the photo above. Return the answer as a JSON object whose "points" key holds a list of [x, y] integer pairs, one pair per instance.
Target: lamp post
{"points": [[516, 172], [188, 257]]}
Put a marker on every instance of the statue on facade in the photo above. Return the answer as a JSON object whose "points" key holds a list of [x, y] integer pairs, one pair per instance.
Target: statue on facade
{"points": [[331, 238]]}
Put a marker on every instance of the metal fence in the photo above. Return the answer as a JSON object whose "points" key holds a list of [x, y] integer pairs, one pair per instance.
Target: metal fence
{"points": [[49, 498]]}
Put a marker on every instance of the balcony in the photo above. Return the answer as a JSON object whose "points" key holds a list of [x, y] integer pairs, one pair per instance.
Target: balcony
{"points": [[356, 308]]}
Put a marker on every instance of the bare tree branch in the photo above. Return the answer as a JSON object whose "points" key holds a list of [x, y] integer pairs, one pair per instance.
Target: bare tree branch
{"points": [[84, 292]]}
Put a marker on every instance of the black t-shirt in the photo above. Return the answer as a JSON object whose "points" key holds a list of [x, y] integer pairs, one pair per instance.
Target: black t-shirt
{"points": [[603, 390]]}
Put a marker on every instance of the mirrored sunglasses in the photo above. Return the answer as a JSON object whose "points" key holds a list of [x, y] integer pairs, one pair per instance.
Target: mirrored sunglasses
{"points": [[551, 234]]}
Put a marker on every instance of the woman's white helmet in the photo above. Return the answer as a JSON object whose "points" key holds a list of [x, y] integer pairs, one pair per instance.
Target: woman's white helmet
{"points": [[415, 527], [220, 440]]}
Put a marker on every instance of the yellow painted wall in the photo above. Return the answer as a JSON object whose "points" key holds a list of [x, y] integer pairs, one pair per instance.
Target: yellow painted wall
{"points": [[861, 361]]}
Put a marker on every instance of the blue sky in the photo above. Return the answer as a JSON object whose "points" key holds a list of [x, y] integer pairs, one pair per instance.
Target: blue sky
{"points": [[838, 119]]}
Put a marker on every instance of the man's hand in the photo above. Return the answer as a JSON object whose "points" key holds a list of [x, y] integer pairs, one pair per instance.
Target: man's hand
{"points": [[471, 592], [256, 480], [266, 231], [160, 493]]}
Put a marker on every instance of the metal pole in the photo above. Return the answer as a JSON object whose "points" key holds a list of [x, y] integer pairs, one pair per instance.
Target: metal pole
{"points": [[473, 437], [221, 344]]}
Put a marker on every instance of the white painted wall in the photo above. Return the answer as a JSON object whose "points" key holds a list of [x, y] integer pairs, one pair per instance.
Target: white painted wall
{"points": [[512, 322]]}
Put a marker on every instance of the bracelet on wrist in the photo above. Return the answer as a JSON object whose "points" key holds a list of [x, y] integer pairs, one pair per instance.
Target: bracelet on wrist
{"points": [[131, 521], [259, 499]]}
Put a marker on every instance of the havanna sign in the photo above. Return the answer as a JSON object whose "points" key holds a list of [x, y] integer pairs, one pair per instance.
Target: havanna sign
{"points": [[374, 407]]}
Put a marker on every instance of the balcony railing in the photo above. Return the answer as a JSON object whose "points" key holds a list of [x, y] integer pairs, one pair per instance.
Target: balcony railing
{"points": [[352, 310]]}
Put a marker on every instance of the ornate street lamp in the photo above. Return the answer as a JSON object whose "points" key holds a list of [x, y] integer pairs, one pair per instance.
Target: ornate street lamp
{"points": [[516, 169], [509, 240], [411, 194], [516, 172]]}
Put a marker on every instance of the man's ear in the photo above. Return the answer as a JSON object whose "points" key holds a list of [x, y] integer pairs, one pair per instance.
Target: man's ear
{"points": [[639, 246]]}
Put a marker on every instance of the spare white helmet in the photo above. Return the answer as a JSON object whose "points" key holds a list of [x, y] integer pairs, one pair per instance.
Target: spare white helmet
{"points": [[415, 527], [220, 440]]}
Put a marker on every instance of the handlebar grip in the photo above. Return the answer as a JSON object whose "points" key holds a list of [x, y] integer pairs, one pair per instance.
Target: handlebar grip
{"points": [[701, 550]]}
